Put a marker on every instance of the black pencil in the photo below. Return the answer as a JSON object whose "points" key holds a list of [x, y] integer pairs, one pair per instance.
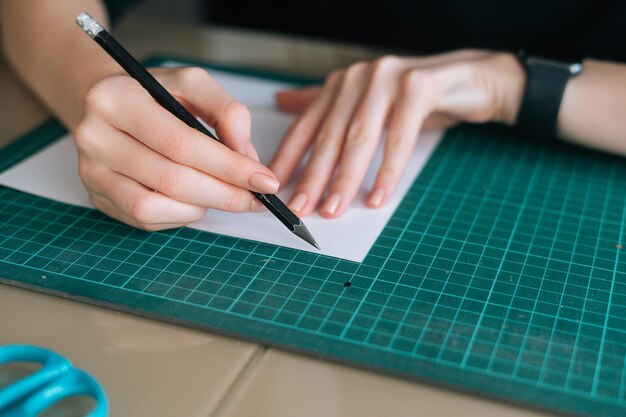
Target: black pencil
{"points": [[103, 38]]}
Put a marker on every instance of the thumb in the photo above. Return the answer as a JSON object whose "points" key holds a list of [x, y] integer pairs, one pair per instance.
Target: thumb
{"points": [[296, 101]]}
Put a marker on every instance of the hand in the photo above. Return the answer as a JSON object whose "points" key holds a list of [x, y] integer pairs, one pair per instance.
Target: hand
{"points": [[343, 121], [144, 167]]}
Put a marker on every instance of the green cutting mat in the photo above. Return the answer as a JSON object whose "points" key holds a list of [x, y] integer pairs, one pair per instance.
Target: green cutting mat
{"points": [[500, 273]]}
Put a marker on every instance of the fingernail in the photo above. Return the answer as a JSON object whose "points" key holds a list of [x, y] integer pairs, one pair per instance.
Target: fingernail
{"points": [[377, 197], [250, 151], [331, 204], [263, 183], [298, 202], [256, 205]]}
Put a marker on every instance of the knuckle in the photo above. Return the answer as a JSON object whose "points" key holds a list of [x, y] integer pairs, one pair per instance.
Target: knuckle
{"points": [[178, 146], [384, 64], [419, 82], [357, 135], [236, 109], [96, 95], [193, 75], [355, 70], [388, 172], [86, 137], [325, 139], [394, 142], [200, 213], [95, 201], [413, 79], [334, 77], [171, 181], [302, 126], [102, 97], [84, 170], [142, 210], [236, 203], [233, 168]]}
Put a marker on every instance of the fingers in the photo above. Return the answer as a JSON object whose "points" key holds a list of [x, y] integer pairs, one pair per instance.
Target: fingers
{"points": [[143, 166], [296, 101], [111, 210], [329, 141], [135, 155], [207, 99], [438, 121], [134, 204], [359, 103], [362, 136], [156, 172], [414, 103], [302, 131], [137, 114]]}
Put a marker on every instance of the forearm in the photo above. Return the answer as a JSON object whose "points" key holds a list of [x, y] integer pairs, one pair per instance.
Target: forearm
{"points": [[52, 55], [593, 110]]}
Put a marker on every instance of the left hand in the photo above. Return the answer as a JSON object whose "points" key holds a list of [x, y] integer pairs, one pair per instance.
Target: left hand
{"points": [[344, 120]]}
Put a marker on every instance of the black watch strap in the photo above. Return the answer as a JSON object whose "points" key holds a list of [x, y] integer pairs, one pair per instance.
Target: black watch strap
{"points": [[545, 84]]}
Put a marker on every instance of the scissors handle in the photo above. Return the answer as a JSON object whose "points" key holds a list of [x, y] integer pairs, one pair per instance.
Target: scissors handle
{"points": [[53, 366], [74, 382], [56, 380]]}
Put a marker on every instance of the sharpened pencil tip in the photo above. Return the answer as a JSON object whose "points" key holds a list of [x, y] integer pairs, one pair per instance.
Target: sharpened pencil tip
{"points": [[303, 233]]}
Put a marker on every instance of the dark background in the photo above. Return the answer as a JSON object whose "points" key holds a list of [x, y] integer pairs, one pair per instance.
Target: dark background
{"points": [[560, 29]]}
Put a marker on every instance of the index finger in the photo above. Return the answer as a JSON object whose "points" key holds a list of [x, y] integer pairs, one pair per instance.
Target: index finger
{"points": [[143, 118]]}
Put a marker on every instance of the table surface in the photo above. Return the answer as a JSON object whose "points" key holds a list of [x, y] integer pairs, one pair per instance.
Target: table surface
{"points": [[154, 369]]}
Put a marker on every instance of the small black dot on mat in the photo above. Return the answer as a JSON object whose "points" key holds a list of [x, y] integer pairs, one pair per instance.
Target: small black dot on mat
{"points": [[347, 284]]}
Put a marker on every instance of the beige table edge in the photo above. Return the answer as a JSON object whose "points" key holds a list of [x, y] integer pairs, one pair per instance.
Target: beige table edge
{"points": [[210, 375]]}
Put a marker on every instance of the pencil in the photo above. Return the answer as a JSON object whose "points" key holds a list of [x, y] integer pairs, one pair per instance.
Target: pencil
{"points": [[103, 38]]}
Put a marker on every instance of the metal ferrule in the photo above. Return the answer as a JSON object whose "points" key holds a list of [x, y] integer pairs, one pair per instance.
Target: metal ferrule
{"points": [[89, 24]]}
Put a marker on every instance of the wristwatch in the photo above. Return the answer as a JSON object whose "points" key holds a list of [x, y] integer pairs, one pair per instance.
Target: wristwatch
{"points": [[546, 80]]}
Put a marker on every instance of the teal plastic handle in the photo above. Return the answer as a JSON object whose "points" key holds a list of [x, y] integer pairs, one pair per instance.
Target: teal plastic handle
{"points": [[56, 380]]}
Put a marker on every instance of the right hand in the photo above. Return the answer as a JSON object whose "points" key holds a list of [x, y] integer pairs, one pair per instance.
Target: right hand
{"points": [[143, 166]]}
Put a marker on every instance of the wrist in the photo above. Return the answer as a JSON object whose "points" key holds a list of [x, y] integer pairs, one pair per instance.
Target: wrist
{"points": [[510, 89], [546, 81]]}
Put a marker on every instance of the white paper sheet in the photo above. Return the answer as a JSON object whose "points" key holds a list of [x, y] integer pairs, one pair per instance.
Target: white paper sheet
{"points": [[52, 173]]}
